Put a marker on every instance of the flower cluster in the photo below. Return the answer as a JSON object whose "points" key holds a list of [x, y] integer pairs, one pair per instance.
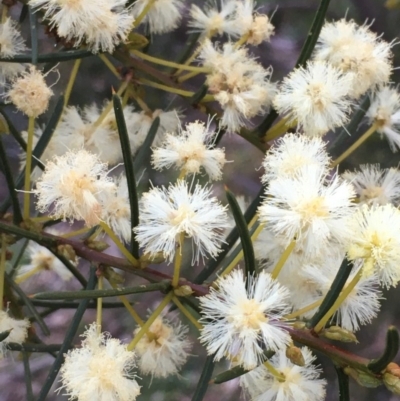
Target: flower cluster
{"points": [[318, 232]]}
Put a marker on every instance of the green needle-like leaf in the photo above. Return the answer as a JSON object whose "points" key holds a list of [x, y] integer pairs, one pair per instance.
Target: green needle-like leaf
{"points": [[204, 381], [245, 239], [144, 152], [129, 170], [390, 352], [331, 296]]}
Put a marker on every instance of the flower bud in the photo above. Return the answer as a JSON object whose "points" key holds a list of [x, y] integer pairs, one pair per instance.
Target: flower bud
{"points": [[339, 334], [362, 378], [392, 383], [183, 291], [97, 245], [67, 251], [393, 369], [295, 355]]}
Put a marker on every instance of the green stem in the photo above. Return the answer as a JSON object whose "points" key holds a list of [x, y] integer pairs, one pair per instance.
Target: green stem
{"points": [[355, 145], [304, 310], [343, 295], [166, 63], [282, 260], [119, 244], [75, 233], [109, 64], [23, 277], [278, 129], [278, 375], [65, 295], [71, 81], [128, 306], [185, 312], [28, 167], [177, 91], [178, 260], [144, 12], [145, 328], [99, 311]]}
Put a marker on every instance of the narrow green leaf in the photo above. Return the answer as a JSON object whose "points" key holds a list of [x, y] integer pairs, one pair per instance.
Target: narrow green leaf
{"points": [[20, 232], [305, 54], [237, 371], [27, 376], [17, 215], [34, 36], [313, 33], [23, 14], [204, 381], [390, 352], [144, 152], [331, 296], [55, 305], [4, 334], [199, 94], [69, 336], [39, 148], [33, 347], [343, 380], [245, 239], [14, 132], [28, 303], [85, 294], [192, 43], [233, 236], [50, 57], [129, 170], [266, 124]]}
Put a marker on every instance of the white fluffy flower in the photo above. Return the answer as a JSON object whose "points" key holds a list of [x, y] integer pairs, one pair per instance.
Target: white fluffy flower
{"points": [[116, 209], [291, 153], [78, 129], [72, 183], [18, 333], [166, 213], [164, 349], [257, 28], [214, 20], [102, 24], [358, 52], [240, 319], [301, 383], [376, 241], [360, 306], [269, 249], [100, 370], [29, 93], [11, 44], [191, 150], [375, 186], [41, 259], [316, 97], [308, 208], [384, 112], [240, 85], [162, 17]]}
